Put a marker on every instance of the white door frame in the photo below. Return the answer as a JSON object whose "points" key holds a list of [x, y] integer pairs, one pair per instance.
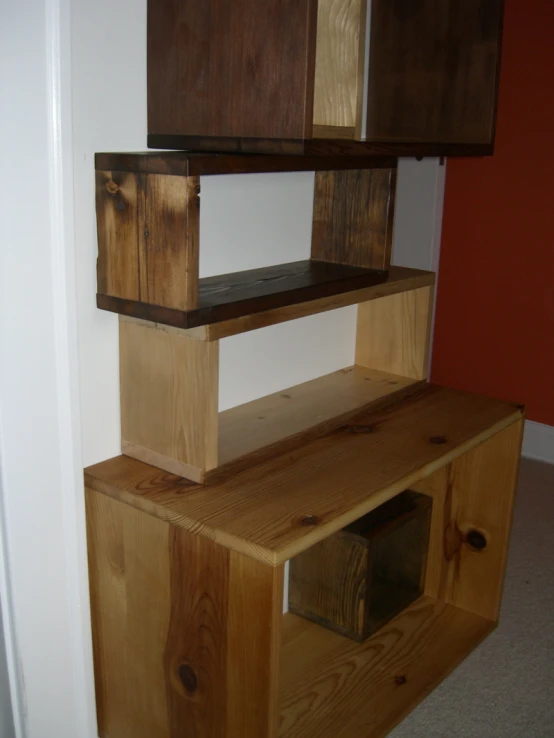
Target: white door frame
{"points": [[43, 576]]}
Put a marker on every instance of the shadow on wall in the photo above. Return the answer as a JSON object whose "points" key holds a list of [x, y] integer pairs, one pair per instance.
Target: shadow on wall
{"points": [[6, 718]]}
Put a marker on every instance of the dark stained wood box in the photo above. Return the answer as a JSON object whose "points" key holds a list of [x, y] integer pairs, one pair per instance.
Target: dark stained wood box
{"points": [[358, 579], [412, 77]]}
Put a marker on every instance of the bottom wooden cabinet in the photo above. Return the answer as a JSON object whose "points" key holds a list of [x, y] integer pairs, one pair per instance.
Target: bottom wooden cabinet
{"points": [[186, 581]]}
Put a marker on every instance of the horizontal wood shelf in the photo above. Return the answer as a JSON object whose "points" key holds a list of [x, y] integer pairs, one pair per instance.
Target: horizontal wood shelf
{"points": [[332, 687], [193, 163], [243, 301], [283, 506], [320, 147], [276, 423]]}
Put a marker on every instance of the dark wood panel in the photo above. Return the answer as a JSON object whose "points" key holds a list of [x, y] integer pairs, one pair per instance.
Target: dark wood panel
{"points": [[253, 291], [434, 68], [319, 146], [353, 217], [186, 164], [231, 67]]}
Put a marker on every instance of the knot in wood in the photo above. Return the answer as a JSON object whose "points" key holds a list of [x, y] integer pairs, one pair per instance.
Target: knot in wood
{"points": [[188, 678], [309, 520], [476, 540], [111, 187], [360, 429], [438, 440], [400, 680]]}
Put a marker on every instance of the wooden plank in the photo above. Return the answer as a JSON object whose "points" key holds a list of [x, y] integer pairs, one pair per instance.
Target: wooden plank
{"points": [[281, 507], [231, 67], [190, 163], [254, 648], [128, 553], [255, 300], [117, 198], [443, 85], [169, 399], [331, 146], [339, 64], [479, 508], [393, 334], [169, 234], [353, 217], [335, 688], [257, 430]]}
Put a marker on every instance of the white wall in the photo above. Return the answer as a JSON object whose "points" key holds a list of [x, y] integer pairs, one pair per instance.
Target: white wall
{"points": [[7, 729], [47, 297]]}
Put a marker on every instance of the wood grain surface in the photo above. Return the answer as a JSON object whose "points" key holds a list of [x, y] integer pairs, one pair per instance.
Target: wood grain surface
{"points": [[443, 86], [332, 480], [231, 67], [335, 688], [186, 633], [318, 146], [191, 163], [148, 238], [169, 398], [353, 217], [339, 65], [235, 295], [394, 333]]}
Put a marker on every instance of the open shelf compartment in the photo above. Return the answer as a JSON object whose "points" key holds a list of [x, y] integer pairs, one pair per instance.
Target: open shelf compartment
{"points": [[187, 580], [170, 384]]}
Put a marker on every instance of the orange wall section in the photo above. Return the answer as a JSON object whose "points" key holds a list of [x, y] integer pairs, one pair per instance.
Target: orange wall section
{"points": [[494, 330]]}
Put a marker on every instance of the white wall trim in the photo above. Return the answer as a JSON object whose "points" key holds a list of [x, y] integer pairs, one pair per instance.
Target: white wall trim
{"points": [[538, 442]]}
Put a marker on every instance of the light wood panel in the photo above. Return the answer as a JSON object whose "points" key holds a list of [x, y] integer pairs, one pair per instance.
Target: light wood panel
{"points": [[169, 399], [339, 64], [353, 217], [281, 507], [393, 334], [272, 424], [335, 688], [186, 634], [148, 238], [400, 279]]}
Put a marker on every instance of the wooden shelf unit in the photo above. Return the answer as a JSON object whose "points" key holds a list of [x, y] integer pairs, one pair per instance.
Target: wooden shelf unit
{"points": [[170, 382], [187, 580]]}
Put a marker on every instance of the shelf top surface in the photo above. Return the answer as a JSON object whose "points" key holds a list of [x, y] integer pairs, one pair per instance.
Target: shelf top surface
{"points": [[283, 506], [303, 287], [197, 163]]}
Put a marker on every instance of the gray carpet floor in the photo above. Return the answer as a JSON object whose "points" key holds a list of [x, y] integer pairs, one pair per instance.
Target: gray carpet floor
{"points": [[505, 689]]}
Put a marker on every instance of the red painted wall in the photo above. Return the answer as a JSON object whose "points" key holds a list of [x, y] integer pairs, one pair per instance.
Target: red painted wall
{"points": [[494, 328]]}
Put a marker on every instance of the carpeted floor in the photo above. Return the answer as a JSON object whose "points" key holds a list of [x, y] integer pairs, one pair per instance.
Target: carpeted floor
{"points": [[505, 689]]}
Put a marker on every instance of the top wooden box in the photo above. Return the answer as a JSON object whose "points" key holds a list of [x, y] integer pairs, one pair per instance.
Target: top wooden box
{"points": [[324, 76]]}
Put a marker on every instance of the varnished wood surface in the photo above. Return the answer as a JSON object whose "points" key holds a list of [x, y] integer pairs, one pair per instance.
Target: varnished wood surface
{"points": [[230, 296], [186, 633], [169, 399], [398, 279], [353, 217], [191, 163], [329, 482], [339, 65], [148, 237], [334, 688], [319, 146], [443, 86], [279, 422], [231, 67], [393, 334]]}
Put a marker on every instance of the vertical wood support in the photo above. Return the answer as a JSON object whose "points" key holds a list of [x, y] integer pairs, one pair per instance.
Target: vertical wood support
{"points": [[353, 217], [148, 238], [169, 398], [473, 500], [186, 633], [393, 333]]}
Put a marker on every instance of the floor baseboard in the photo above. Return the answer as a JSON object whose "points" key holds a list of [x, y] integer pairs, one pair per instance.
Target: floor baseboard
{"points": [[538, 442]]}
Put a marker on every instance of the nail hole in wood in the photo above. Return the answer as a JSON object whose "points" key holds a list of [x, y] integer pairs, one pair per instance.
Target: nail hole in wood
{"points": [[438, 440], [188, 678], [476, 540]]}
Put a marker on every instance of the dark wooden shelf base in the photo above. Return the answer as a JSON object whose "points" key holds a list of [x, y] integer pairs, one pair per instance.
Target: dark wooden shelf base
{"points": [[253, 291], [361, 152]]}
